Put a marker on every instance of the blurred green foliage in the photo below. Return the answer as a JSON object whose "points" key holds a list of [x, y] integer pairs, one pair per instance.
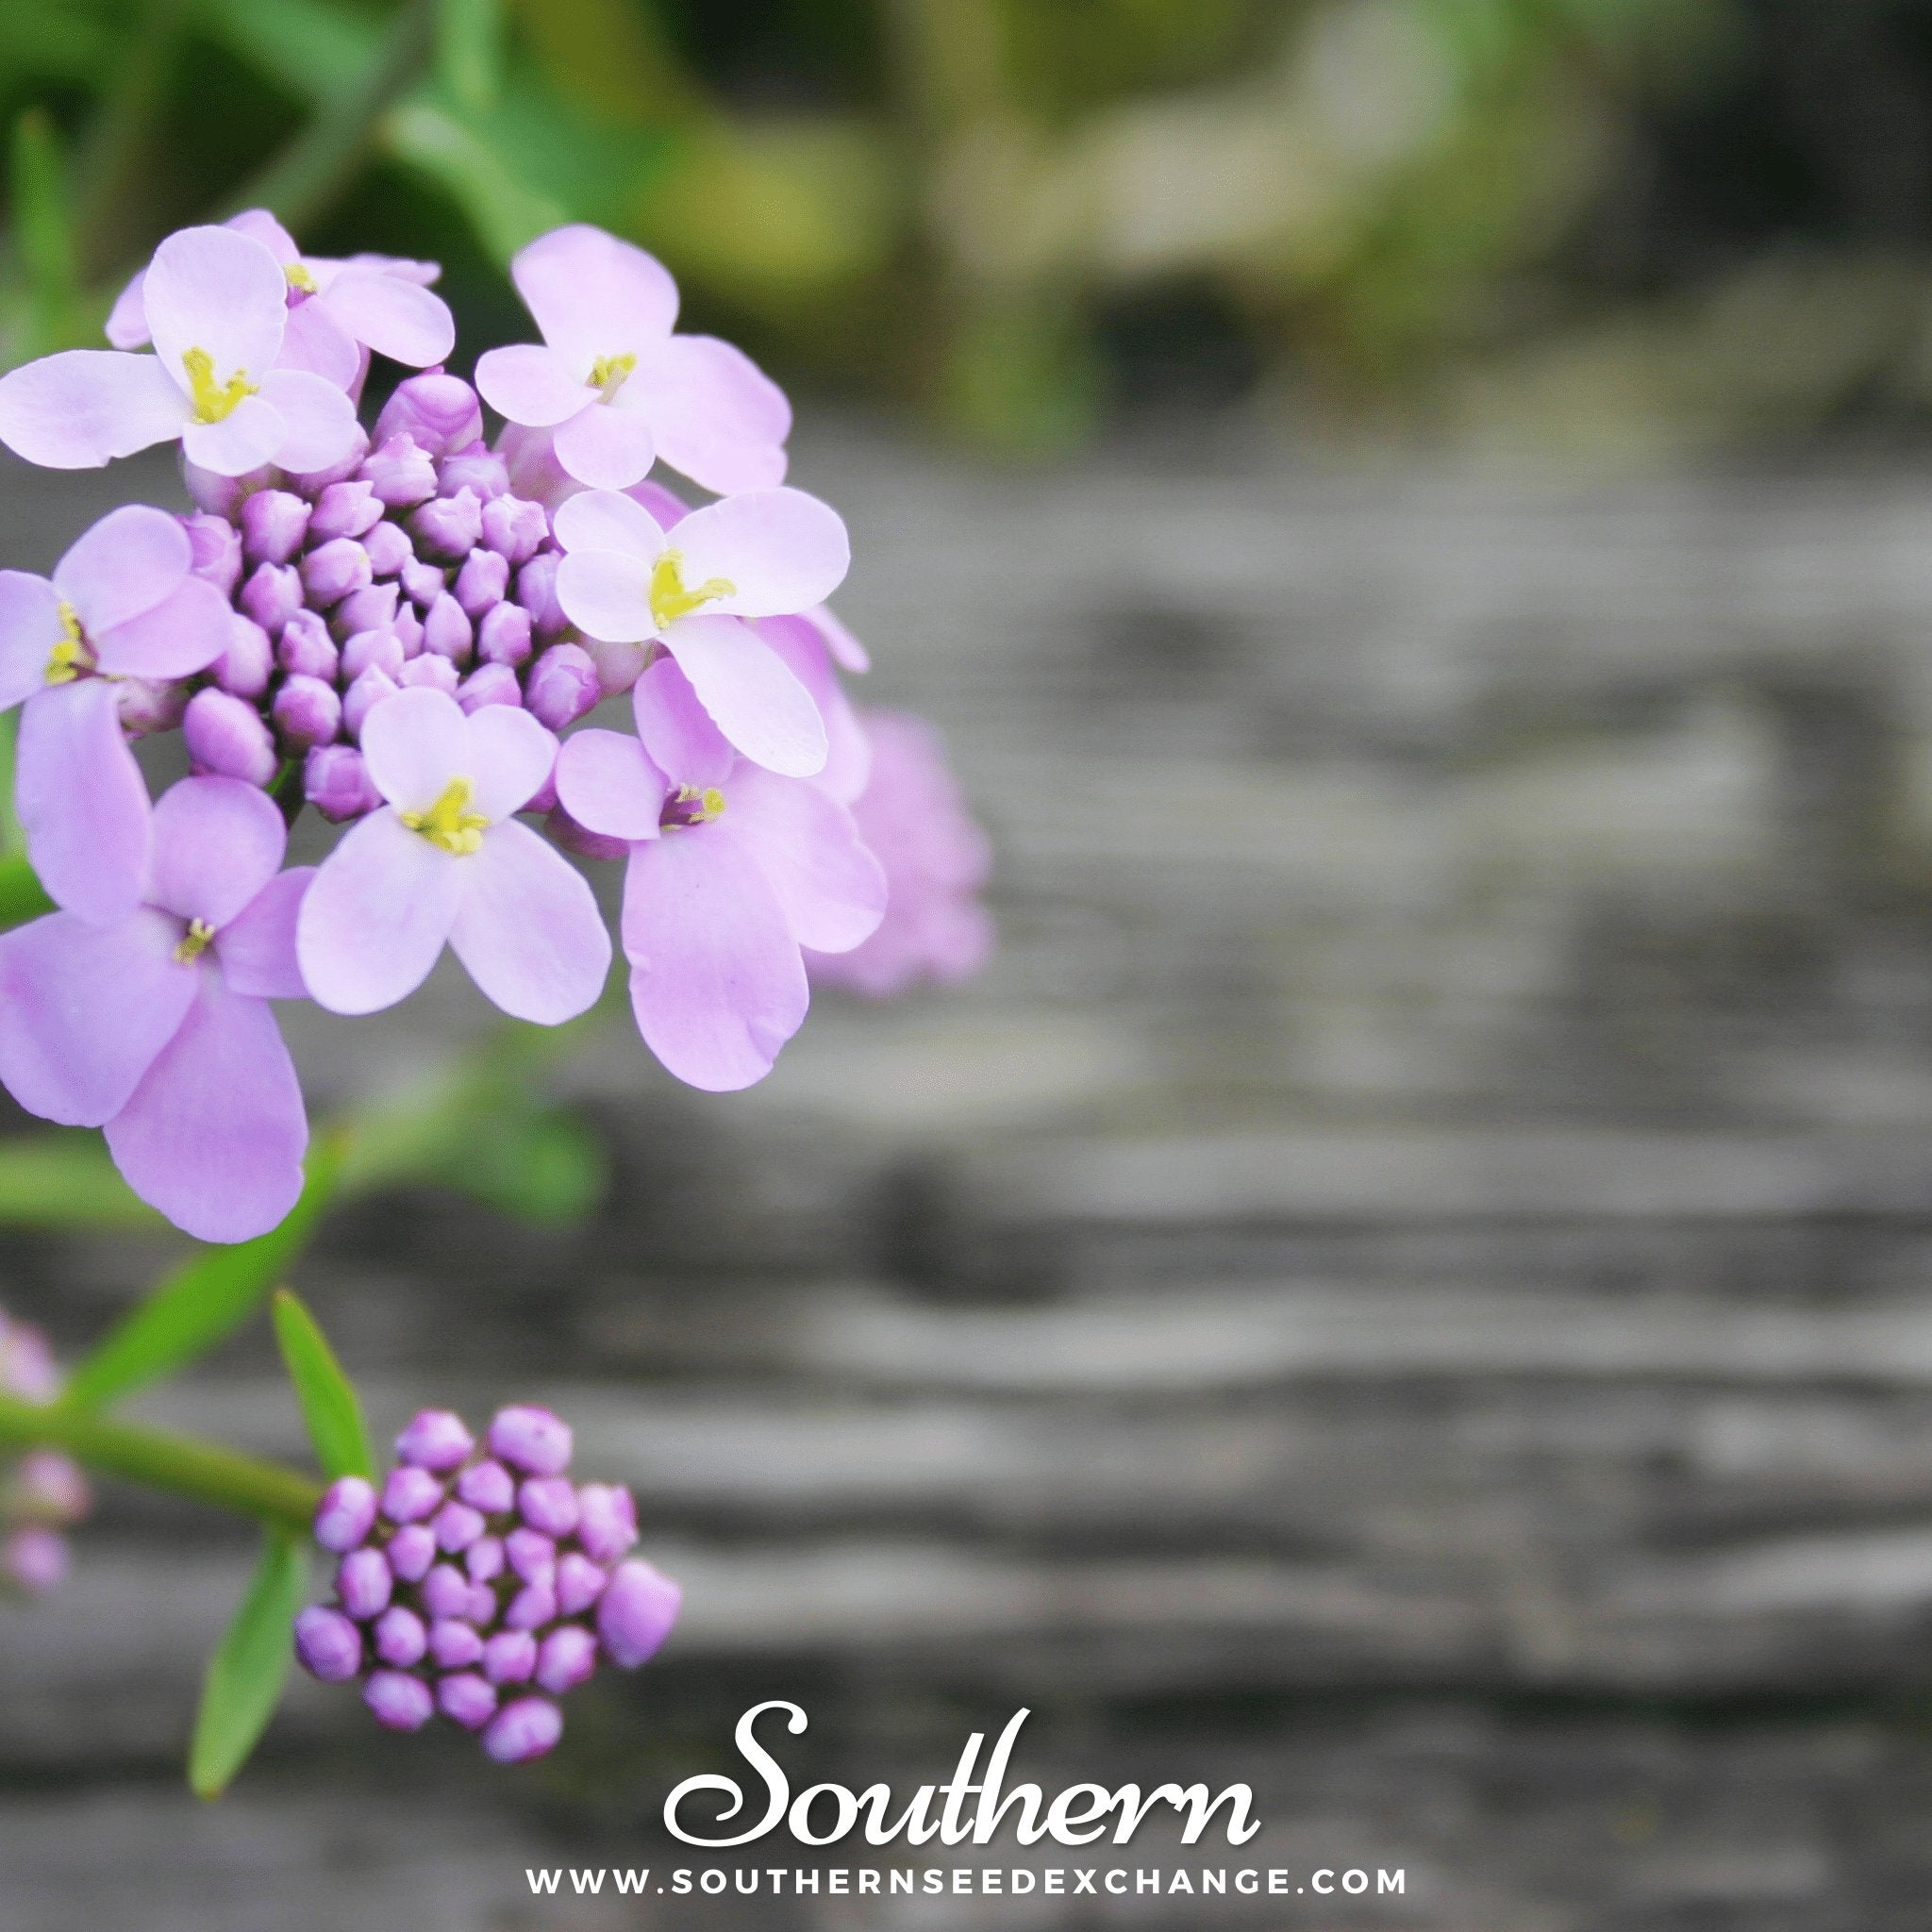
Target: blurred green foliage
{"points": [[957, 203]]}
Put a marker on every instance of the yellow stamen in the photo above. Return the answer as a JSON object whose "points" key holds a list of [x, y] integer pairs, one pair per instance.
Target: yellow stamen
{"points": [[670, 600], [66, 660], [608, 372], [214, 401], [299, 277], [447, 824], [194, 941], [710, 804]]}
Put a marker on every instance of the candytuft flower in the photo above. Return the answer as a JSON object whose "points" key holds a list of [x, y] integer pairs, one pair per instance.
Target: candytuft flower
{"points": [[42, 1492]]}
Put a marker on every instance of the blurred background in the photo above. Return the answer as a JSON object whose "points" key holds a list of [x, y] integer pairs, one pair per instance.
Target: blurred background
{"points": [[1406, 1282]]}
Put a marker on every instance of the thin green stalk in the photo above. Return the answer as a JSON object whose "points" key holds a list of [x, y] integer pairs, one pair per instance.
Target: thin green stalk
{"points": [[280, 1497], [119, 151]]}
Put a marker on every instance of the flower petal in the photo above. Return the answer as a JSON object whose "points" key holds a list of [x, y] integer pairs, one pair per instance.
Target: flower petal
{"points": [[604, 519], [316, 341], [127, 326], [215, 1134], [217, 843], [750, 694], [716, 981], [219, 292], [184, 633], [848, 652], [608, 448], [263, 225], [592, 295], [608, 595], [376, 915], [80, 408], [256, 948], [800, 640], [319, 424], [29, 630], [676, 731], [82, 801], [125, 564], [414, 743], [245, 439], [396, 318], [781, 551], [507, 757], [530, 385], [718, 416], [832, 888], [529, 931], [607, 783], [85, 1009]]}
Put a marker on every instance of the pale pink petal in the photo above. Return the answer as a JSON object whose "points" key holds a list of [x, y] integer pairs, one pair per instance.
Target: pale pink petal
{"points": [[184, 633], [263, 225], [256, 948], [217, 843], [314, 340], [716, 981], [718, 416], [508, 756], [85, 1009], [531, 385], [396, 318], [604, 519], [529, 931], [376, 915], [849, 653], [608, 595], [247, 437], [677, 731], [667, 508], [750, 694], [83, 800], [831, 887], [607, 783], [214, 1135], [29, 630], [219, 292], [608, 448], [414, 743], [128, 320], [779, 549], [592, 295], [80, 408], [402, 267], [125, 564], [801, 643], [318, 426]]}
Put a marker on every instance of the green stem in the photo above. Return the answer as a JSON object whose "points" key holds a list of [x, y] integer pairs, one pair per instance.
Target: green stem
{"points": [[183, 1465]]}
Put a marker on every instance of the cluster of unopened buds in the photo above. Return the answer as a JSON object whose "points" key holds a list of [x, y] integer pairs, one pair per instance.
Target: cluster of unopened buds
{"points": [[42, 1492], [482, 1583], [398, 626]]}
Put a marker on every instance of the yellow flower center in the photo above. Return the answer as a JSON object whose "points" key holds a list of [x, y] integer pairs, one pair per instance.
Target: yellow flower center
{"points": [[213, 401], [447, 824], [194, 941], [692, 807], [299, 277], [608, 372], [670, 600], [69, 658]]}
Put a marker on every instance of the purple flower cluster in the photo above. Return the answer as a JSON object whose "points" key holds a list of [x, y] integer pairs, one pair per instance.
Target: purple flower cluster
{"points": [[42, 1491], [482, 1584], [398, 627]]}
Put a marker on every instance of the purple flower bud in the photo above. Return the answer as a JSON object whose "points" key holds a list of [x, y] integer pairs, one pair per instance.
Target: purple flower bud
{"points": [[400, 471], [533, 1606], [537, 593], [668, 509], [607, 1520], [35, 1559], [272, 596], [548, 1503], [534, 470], [439, 411], [27, 1363], [438, 673], [488, 1486], [330, 574], [580, 1583], [410, 1552], [544, 799], [509, 1656], [457, 1527], [337, 783], [562, 685], [410, 1493], [306, 650], [423, 583], [146, 706], [371, 608], [346, 1514], [434, 1439], [619, 666], [446, 629], [515, 528], [531, 1553], [311, 483], [482, 582], [221, 496], [636, 1612], [400, 1638], [531, 1439], [409, 627], [226, 737], [477, 468], [214, 549], [363, 1582], [50, 1487], [565, 1658], [453, 1645], [307, 712], [565, 831], [274, 524], [482, 1606], [387, 545], [344, 509], [467, 1699], [362, 697], [399, 1703], [484, 1559], [327, 1646], [523, 1730], [381, 648], [445, 1592], [449, 526], [504, 636], [243, 668], [489, 684]]}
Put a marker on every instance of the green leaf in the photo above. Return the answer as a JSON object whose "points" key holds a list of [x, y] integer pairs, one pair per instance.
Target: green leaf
{"points": [[504, 212], [330, 1409], [469, 51], [314, 50], [205, 1300], [65, 1179], [21, 895], [250, 1664], [44, 235]]}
